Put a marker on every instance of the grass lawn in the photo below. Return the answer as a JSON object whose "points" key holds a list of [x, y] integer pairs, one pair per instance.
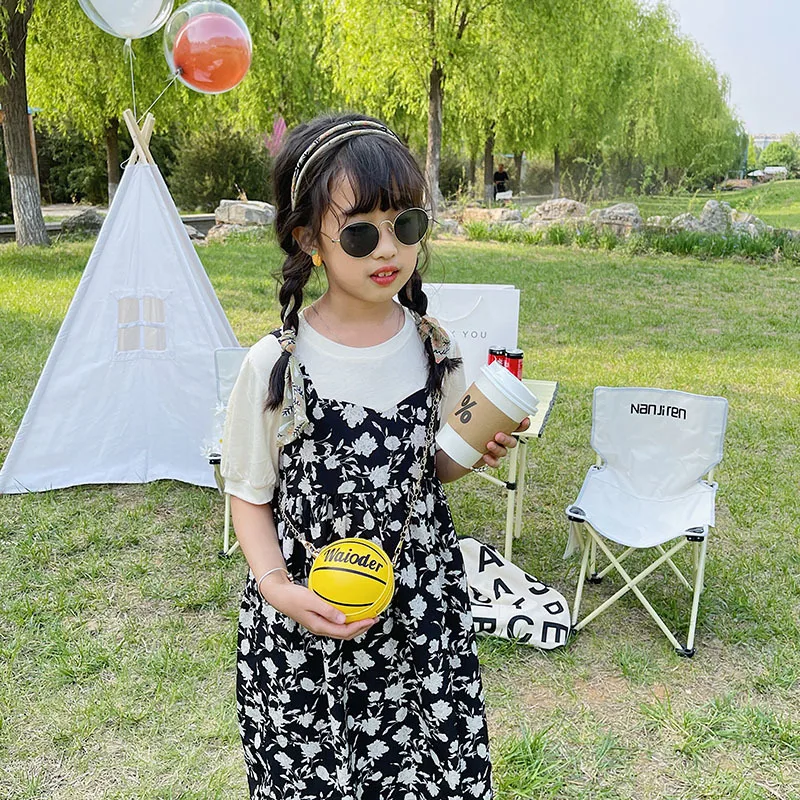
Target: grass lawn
{"points": [[118, 621], [776, 202]]}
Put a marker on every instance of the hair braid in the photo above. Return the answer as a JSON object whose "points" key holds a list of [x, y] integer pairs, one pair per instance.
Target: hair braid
{"points": [[414, 298], [296, 271]]}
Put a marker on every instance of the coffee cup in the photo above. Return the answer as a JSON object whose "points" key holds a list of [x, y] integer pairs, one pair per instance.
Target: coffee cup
{"points": [[496, 401]]}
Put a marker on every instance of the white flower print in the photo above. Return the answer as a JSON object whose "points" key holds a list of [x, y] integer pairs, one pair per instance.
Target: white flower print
{"points": [[341, 525], [402, 735], [308, 452], [295, 659], [394, 692], [400, 707], [365, 445], [363, 659], [407, 775], [377, 749], [418, 436], [371, 726], [353, 415], [379, 476], [433, 682], [418, 607]]}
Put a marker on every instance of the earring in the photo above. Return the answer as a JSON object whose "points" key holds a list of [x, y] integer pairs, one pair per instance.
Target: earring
{"points": [[316, 258]]}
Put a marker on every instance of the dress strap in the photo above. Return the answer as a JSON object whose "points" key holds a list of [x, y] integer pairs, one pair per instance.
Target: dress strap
{"points": [[293, 407]]}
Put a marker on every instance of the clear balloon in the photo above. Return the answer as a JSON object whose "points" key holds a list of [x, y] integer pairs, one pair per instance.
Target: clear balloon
{"points": [[209, 45], [128, 19]]}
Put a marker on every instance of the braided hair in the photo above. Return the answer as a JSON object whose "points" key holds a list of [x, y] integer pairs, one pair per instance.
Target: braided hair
{"points": [[382, 173]]}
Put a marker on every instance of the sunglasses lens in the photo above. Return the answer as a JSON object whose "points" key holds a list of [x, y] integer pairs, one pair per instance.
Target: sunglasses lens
{"points": [[410, 226], [359, 239]]}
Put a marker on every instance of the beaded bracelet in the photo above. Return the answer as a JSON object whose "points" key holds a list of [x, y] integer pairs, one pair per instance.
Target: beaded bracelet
{"points": [[269, 572]]}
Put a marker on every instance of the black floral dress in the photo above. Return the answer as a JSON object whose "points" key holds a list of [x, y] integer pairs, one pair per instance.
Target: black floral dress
{"points": [[398, 713]]}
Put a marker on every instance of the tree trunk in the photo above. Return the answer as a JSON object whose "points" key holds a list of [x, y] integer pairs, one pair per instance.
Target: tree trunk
{"points": [[556, 174], [25, 196], [471, 170], [112, 157], [488, 169], [434, 154], [518, 170]]}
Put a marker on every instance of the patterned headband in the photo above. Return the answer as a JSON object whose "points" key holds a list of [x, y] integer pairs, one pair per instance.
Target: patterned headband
{"points": [[331, 137]]}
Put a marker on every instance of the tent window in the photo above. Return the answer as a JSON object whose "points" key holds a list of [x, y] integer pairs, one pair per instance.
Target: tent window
{"points": [[141, 324]]}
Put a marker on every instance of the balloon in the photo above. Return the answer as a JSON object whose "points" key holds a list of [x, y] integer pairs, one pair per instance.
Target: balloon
{"points": [[209, 45], [128, 19]]}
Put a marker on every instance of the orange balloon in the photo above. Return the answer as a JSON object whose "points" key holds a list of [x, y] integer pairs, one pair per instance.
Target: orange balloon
{"points": [[212, 52]]}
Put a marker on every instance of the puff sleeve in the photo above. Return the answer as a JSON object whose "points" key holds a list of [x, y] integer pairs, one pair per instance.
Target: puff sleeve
{"points": [[249, 443]]}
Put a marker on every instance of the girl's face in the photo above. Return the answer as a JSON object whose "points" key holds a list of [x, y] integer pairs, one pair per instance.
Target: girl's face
{"points": [[378, 277]]}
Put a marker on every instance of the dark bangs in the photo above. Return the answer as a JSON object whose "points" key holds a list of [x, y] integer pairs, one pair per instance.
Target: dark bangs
{"points": [[382, 174]]}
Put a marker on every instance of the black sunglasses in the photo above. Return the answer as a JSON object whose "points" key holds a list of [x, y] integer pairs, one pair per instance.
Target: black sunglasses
{"points": [[359, 239]]}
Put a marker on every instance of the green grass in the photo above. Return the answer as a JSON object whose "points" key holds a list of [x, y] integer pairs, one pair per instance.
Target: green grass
{"points": [[776, 202], [118, 621]]}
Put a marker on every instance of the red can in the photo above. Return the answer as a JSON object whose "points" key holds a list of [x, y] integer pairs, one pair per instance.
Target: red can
{"points": [[497, 354], [514, 362]]}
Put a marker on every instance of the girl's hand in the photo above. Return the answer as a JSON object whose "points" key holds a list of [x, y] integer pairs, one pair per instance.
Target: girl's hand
{"points": [[311, 611], [502, 443]]}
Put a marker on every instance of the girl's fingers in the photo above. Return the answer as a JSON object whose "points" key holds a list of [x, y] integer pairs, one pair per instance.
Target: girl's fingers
{"points": [[322, 627]]}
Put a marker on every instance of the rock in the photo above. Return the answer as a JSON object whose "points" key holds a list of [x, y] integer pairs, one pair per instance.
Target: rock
{"points": [[491, 215], [621, 219], [194, 234], [446, 226], [685, 222], [561, 210], [244, 212], [716, 217], [221, 231], [88, 221], [659, 223], [743, 218]]}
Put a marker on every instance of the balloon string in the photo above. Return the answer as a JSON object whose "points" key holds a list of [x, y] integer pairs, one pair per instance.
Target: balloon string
{"points": [[129, 54], [171, 81]]}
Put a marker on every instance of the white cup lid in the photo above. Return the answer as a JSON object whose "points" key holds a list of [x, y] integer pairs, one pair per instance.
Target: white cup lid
{"points": [[511, 386]]}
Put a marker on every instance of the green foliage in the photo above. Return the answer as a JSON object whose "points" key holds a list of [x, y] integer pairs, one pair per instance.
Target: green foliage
{"points": [[779, 154], [218, 163], [71, 168], [558, 234]]}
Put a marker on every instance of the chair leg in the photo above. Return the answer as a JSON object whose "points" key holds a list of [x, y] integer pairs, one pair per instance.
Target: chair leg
{"points": [[631, 585], [700, 556], [593, 576], [226, 541], [582, 577]]}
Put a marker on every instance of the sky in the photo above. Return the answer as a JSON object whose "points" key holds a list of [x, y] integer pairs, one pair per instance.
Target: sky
{"points": [[756, 45]]}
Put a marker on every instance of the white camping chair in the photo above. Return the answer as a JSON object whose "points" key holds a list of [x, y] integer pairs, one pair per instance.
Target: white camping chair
{"points": [[654, 446], [227, 363]]}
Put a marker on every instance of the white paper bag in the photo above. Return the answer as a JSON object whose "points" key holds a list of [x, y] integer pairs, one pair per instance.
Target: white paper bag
{"points": [[478, 316]]}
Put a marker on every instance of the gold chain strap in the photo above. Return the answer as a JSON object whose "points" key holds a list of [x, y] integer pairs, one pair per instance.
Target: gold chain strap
{"points": [[423, 463]]}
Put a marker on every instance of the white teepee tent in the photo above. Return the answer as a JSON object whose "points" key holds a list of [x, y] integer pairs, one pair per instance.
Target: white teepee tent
{"points": [[128, 391]]}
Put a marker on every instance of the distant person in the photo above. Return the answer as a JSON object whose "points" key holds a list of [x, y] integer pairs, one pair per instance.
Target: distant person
{"points": [[500, 179]]}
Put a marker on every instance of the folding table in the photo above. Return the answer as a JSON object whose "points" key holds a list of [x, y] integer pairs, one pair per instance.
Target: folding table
{"points": [[545, 392]]}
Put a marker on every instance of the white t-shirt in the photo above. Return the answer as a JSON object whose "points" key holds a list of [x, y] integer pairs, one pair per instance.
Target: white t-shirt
{"points": [[377, 377]]}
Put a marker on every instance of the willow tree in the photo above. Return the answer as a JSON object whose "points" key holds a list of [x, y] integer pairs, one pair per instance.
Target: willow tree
{"points": [[25, 197], [397, 60], [81, 77], [675, 116], [284, 77]]}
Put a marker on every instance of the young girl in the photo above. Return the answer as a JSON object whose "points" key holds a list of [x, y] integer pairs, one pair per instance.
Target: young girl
{"points": [[329, 434]]}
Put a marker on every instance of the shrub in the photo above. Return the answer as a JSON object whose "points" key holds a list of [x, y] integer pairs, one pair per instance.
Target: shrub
{"points": [[217, 163], [477, 231], [586, 237], [558, 234]]}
